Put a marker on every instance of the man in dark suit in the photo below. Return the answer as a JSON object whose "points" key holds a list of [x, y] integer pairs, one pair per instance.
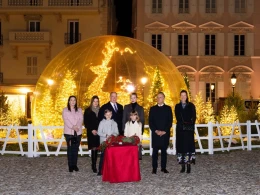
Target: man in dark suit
{"points": [[117, 111], [160, 122], [133, 106]]}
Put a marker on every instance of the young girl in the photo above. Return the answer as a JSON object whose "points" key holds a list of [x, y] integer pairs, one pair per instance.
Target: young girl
{"points": [[134, 127], [107, 127]]}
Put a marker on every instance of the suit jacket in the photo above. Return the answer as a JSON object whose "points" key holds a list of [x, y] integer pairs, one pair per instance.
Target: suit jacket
{"points": [[116, 116], [126, 114], [160, 118]]}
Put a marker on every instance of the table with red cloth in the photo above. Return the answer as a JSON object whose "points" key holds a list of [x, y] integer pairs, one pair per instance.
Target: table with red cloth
{"points": [[121, 164]]}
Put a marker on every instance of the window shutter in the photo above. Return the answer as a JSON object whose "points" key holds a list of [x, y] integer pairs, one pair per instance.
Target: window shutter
{"points": [[193, 44], [230, 44], [220, 89], [201, 45], [250, 44], [202, 88], [148, 6], [220, 44], [166, 43], [147, 38], [166, 7], [174, 44]]}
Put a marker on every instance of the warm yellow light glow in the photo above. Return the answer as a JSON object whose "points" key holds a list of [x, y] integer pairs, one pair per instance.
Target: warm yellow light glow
{"points": [[25, 90], [98, 66], [212, 87], [144, 80], [50, 82], [130, 88]]}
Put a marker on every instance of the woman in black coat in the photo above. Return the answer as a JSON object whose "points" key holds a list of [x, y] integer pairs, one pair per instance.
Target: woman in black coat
{"points": [[185, 112], [91, 123]]}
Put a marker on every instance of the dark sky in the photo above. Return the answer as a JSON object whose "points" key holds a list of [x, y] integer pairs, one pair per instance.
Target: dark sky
{"points": [[124, 17]]}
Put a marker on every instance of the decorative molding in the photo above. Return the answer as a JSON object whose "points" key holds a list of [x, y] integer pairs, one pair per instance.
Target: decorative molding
{"points": [[58, 17], [211, 77], [32, 17], [210, 60], [183, 26], [186, 69], [211, 26], [240, 59], [156, 26], [244, 77], [183, 60], [241, 70], [241, 27], [32, 52], [5, 17], [212, 70]]}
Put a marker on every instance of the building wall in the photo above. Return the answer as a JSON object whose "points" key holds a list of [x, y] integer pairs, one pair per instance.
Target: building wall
{"points": [[17, 43], [224, 24]]}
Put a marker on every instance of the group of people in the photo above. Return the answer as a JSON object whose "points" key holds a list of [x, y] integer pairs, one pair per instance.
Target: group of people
{"points": [[112, 119]]}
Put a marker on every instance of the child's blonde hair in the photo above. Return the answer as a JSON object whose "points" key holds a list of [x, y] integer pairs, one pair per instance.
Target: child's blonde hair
{"points": [[135, 114]]}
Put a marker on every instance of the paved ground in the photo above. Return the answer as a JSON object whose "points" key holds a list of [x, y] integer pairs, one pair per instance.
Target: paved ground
{"points": [[229, 173]]}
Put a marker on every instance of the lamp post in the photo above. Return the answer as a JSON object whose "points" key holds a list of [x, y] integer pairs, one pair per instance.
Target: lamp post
{"points": [[212, 87], [130, 88], [143, 81], [233, 82]]}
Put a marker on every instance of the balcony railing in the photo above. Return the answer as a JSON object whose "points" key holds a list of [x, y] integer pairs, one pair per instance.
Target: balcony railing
{"points": [[29, 36], [71, 38], [70, 2], [25, 2], [1, 40]]}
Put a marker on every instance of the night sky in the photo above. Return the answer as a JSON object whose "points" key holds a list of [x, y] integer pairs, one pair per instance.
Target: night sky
{"points": [[124, 17]]}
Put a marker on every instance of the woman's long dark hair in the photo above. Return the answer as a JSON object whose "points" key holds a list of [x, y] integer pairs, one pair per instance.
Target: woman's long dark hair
{"points": [[92, 100], [76, 106], [184, 91]]}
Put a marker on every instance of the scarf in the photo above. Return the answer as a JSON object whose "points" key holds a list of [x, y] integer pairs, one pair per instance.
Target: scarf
{"points": [[95, 110]]}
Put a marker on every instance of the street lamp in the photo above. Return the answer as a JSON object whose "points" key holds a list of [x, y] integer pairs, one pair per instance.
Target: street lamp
{"points": [[143, 81], [233, 82], [212, 87], [130, 88]]}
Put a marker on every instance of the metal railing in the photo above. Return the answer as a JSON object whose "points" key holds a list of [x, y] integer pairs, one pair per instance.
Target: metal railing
{"points": [[248, 140], [70, 2], [25, 2]]}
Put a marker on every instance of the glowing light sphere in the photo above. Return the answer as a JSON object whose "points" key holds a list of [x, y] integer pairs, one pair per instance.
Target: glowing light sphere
{"points": [[98, 66]]}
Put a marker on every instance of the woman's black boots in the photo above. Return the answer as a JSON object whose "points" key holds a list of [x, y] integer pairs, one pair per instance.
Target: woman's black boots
{"points": [[182, 168], [94, 160], [188, 168]]}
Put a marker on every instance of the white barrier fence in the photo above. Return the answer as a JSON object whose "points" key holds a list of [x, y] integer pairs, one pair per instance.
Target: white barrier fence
{"points": [[247, 141]]}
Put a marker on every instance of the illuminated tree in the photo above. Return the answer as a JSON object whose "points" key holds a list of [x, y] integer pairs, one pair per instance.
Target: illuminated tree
{"points": [[187, 82], [208, 113], [228, 116], [45, 108], [200, 108], [258, 112], [66, 89], [3, 109]]}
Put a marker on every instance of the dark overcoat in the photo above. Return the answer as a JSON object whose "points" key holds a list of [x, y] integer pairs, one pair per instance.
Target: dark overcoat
{"points": [[91, 123], [160, 118], [116, 116], [185, 139]]}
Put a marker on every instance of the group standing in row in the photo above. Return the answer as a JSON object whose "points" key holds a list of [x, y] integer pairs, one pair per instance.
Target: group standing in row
{"points": [[112, 119]]}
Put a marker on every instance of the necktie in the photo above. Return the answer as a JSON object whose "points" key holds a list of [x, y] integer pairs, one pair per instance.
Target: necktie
{"points": [[115, 108]]}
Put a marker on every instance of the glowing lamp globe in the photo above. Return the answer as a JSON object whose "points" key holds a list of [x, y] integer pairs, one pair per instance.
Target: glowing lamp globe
{"points": [[98, 66]]}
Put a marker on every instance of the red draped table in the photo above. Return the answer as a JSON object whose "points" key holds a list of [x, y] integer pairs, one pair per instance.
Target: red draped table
{"points": [[121, 164]]}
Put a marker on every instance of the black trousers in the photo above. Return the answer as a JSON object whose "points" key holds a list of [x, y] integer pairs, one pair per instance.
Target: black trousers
{"points": [[72, 150], [163, 157], [101, 161]]}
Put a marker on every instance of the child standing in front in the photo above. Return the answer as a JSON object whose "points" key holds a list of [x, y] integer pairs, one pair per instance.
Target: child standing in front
{"points": [[107, 127], [134, 127]]}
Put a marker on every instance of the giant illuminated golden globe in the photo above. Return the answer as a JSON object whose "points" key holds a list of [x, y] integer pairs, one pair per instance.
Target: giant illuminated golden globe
{"points": [[98, 66]]}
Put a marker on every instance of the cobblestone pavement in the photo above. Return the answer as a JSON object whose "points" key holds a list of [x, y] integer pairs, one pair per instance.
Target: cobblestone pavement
{"points": [[228, 173]]}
